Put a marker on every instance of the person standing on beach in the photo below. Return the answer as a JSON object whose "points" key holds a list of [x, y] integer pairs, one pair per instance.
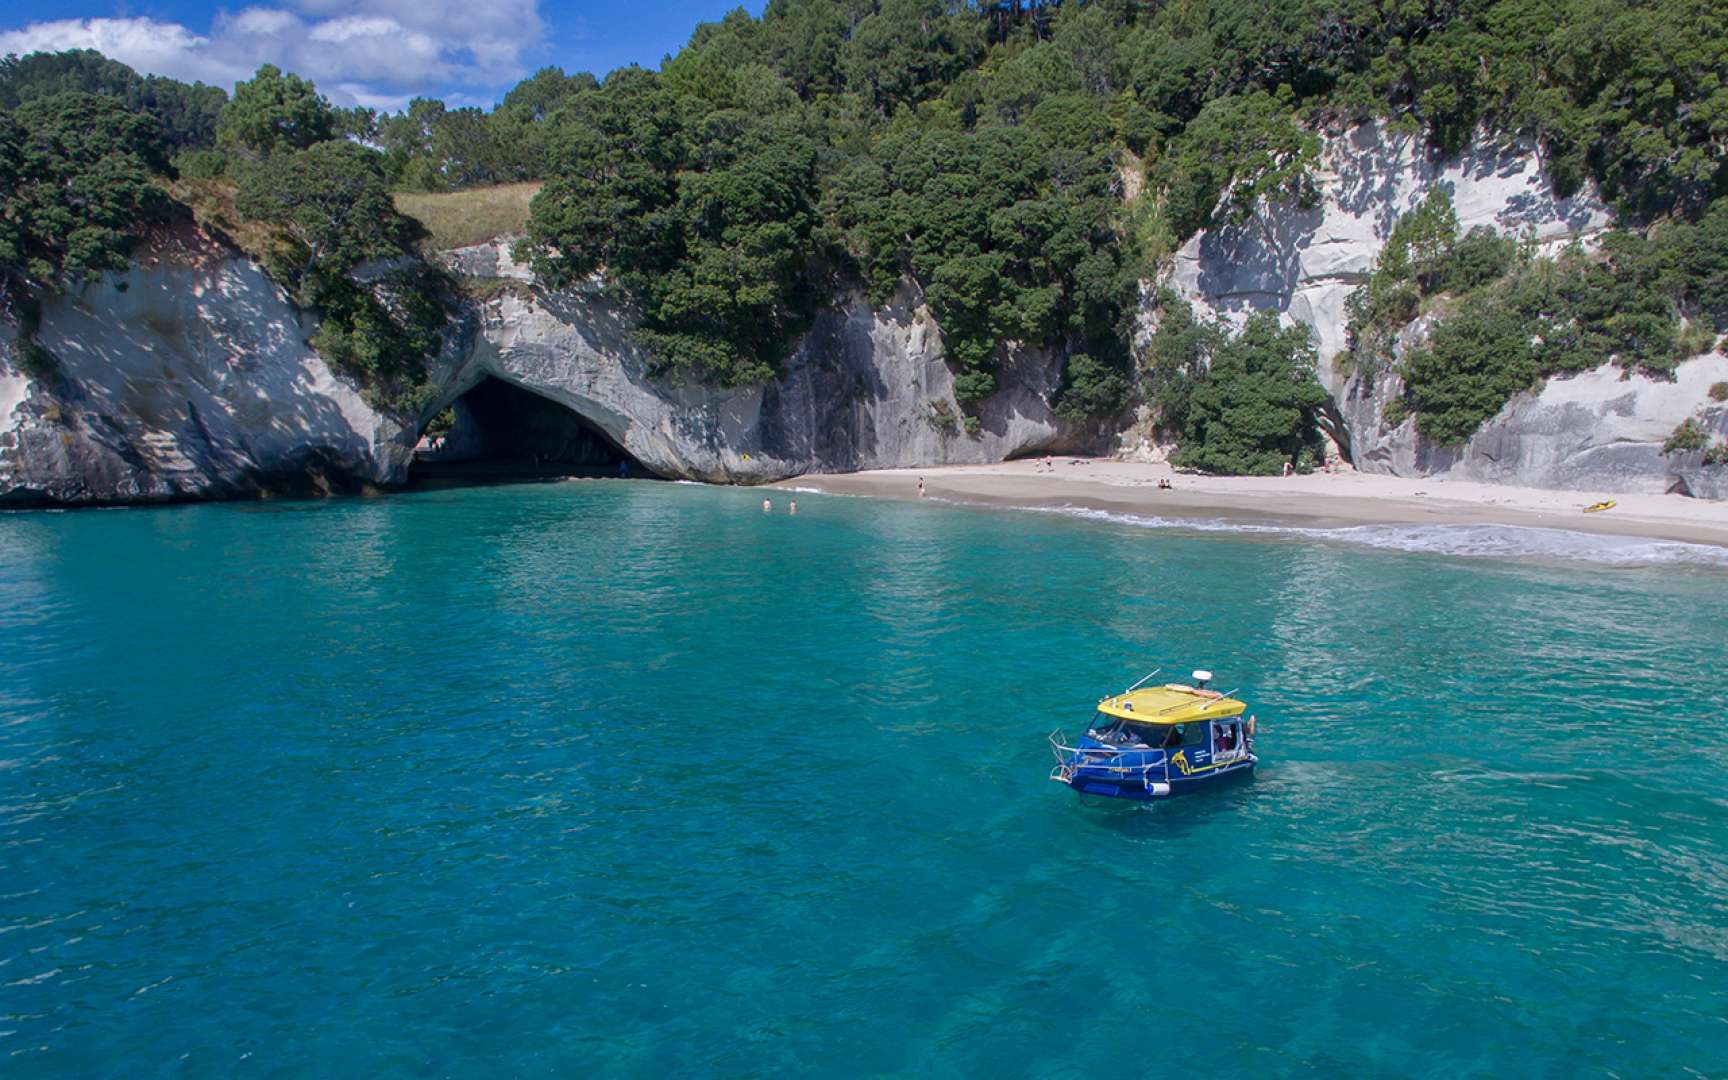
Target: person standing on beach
{"points": [[920, 487]]}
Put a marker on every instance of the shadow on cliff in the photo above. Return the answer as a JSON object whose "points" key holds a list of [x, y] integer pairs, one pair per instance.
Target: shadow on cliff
{"points": [[200, 391]]}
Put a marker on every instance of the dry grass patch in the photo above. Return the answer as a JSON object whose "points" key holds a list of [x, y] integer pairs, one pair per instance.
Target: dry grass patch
{"points": [[212, 205], [456, 219]]}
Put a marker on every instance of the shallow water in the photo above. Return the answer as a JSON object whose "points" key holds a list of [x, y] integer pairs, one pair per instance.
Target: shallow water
{"points": [[630, 777]]}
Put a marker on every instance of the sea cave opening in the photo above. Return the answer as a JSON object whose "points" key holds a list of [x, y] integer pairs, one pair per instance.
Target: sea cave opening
{"points": [[498, 431]]}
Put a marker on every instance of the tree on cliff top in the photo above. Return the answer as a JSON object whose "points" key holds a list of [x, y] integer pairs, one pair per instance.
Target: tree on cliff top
{"points": [[78, 171], [186, 111], [704, 215], [332, 199], [271, 112]]}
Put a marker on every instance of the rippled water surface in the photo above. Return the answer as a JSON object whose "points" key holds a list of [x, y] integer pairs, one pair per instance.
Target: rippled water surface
{"points": [[631, 778]]}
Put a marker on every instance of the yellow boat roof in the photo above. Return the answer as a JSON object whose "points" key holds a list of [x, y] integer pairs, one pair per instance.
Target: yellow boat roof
{"points": [[1171, 704]]}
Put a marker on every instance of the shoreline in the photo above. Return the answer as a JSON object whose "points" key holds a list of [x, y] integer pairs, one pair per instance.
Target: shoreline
{"points": [[1315, 501]]}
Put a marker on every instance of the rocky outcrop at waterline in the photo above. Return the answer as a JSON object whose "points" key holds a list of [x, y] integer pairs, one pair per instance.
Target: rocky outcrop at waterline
{"points": [[192, 378], [186, 378], [1599, 431], [866, 388]]}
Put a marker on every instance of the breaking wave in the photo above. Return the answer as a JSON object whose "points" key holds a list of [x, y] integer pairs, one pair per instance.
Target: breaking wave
{"points": [[1467, 541]]}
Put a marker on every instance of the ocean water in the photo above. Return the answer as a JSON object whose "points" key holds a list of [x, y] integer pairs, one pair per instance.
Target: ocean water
{"points": [[619, 778]]}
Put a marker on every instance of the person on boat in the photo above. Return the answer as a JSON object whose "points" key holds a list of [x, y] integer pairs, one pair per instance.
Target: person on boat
{"points": [[1172, 739]]}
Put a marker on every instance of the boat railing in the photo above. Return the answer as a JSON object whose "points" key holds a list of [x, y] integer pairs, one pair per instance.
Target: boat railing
{"points": [[1070, 758]]}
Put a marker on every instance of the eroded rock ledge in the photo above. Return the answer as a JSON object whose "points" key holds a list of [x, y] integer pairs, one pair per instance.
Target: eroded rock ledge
{"points": [[193, 379]]}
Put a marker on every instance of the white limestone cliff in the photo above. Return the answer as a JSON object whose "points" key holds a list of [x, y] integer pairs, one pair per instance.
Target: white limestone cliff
{"points": [[176, 379], [192, 377], [866, 388], [1598, 431], [1304, 264]]}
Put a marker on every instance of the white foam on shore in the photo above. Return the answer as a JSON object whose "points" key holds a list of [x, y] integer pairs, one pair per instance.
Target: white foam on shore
{"points": [[1467, 541]]}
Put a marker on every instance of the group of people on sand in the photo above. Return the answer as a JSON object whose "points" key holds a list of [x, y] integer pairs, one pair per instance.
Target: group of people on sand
{"points": [[1048, 465]]}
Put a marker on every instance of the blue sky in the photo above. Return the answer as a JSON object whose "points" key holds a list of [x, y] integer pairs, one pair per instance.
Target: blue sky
{"points": [[372, 52]]}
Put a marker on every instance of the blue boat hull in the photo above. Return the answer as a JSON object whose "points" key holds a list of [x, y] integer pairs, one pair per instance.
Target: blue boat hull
{"points": [[1090, 782]]}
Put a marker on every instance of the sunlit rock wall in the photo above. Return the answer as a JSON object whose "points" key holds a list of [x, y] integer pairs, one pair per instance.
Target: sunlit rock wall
{"points": [[181, 379], [866, 388], [193, 377], [1596, 431]]}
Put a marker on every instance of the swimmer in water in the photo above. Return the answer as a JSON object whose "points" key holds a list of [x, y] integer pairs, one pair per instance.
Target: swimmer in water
{"points": [[767, 505], [793, 509]]}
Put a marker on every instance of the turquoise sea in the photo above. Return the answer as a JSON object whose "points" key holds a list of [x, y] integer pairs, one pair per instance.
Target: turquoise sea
{"points": [[628, 778]]}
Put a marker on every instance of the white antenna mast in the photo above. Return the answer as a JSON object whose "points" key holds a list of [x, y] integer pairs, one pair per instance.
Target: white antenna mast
{"points": [[1142, 682]]}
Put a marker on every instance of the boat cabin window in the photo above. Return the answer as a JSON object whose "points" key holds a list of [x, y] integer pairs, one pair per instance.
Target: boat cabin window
{"points": [[1118, 732], [1180, 735], [1226, 736]]}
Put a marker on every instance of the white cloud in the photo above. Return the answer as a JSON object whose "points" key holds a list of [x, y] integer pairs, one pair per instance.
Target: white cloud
{"points": [[370, 52], [145, 44]]}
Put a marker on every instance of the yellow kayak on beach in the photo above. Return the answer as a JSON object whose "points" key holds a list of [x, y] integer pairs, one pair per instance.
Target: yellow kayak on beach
{"points": [[1597, 508]]}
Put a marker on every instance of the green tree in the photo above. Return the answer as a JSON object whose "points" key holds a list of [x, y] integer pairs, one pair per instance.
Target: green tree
{"points": [[908, 50], [1473, 364], [704, 216], [186, 112], [272, 112], [1090, 389], [1257, 406], [1237, 151], [80, 186], [1177, 359], [332, 199]]}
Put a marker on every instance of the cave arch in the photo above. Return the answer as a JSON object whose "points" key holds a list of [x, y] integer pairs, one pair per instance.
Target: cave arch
{"points": [[502, 431]]}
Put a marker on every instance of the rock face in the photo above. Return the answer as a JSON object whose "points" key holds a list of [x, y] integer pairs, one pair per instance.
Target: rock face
{"points": [[1599, 431], [182, 379], [193, 378], [1305, 263], [866, 388]]}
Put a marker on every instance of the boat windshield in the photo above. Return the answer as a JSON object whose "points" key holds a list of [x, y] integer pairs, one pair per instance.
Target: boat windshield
{"points": [[1116, 732]]}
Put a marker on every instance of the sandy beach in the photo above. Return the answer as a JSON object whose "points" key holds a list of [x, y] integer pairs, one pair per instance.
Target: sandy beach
{"points": [[1319, 500]]}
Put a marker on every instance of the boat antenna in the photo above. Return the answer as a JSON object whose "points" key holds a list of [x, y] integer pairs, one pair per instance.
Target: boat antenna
{"points": [[1142, 682]]}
